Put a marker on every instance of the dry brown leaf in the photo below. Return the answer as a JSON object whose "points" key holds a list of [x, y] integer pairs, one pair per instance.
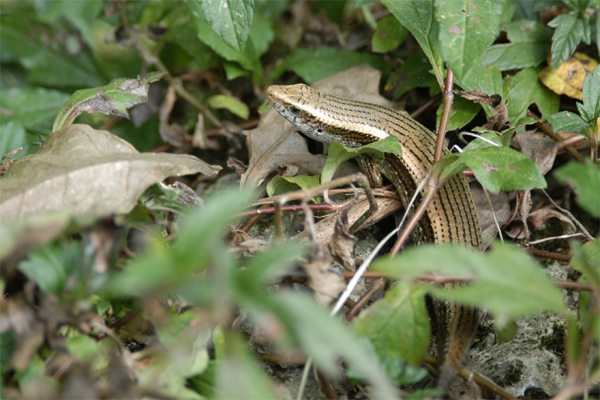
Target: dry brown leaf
{"points": [[343, 241], [538, 217], [173, 134], [493, 213], [322, 278], [275, 143], [539, 148], [88, 172], [499, 119]]}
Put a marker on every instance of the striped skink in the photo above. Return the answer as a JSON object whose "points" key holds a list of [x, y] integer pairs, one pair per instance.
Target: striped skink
{"points": [[451, 217]]}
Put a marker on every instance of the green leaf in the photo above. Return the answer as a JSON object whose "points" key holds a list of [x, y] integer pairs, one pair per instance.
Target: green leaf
{"points": [[338, 153], [7, 346], [248, 59], [578, 5], [566, 121], [186, 37], [591, 95], [319, 63], [586, 179], [398, 324], [230, 19], [247, 285], [586, 259], [231, 104], [388, 35], [112, 99], [13, 136], [198, 246], [467, 28], [506, 281], [488, 80], [283, 184], [83, 347], [51, 266], [524, 89], [328, 340], [240, 377], [501, 168], [529, 43], [463, 111], [417, 17], [46, 66], [415, 72], [570, 31], [31, 107]]}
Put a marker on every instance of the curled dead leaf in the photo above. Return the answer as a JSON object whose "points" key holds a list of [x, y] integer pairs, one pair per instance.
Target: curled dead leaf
{"points": [[88, 172]]}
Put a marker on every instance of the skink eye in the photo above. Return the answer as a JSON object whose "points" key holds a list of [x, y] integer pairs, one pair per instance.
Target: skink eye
{"points": [[295, 110]]}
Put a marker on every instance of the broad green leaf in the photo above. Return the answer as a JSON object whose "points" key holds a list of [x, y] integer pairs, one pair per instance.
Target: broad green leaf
{"points": [[509, 284], [248, 59], [230, 19], [82, 347], [31, 107], [319, 63], [262, 33], [598, 37], [231, 104], [467, 28], [112, 99], [52, 265], [415, 72], [591, 95], [7, 346], [463, 111], [13, 136], [506, 281], [586, 259], [566, 121], [586, 179], [198, 247], [570, 31], [338, 153], [529, 43], [388, 35], [283, 184], [525, 89], [186, 37], [508, 11], [501, 168], [488, 80], [328, 340], [579, 5], [270, 265], [398, 324], [417, 17], [46, 66], [240, 377]]}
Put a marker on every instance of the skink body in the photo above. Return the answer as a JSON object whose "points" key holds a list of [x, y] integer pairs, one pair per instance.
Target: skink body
{"points": [[450, 218]]}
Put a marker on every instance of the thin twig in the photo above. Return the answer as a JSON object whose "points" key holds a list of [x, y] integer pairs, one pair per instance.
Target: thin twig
{"points": [[571, 216], [478, 379]]}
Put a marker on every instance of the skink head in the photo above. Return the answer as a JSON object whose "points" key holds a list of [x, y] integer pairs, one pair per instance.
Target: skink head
{"points": [[298, 104]]}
